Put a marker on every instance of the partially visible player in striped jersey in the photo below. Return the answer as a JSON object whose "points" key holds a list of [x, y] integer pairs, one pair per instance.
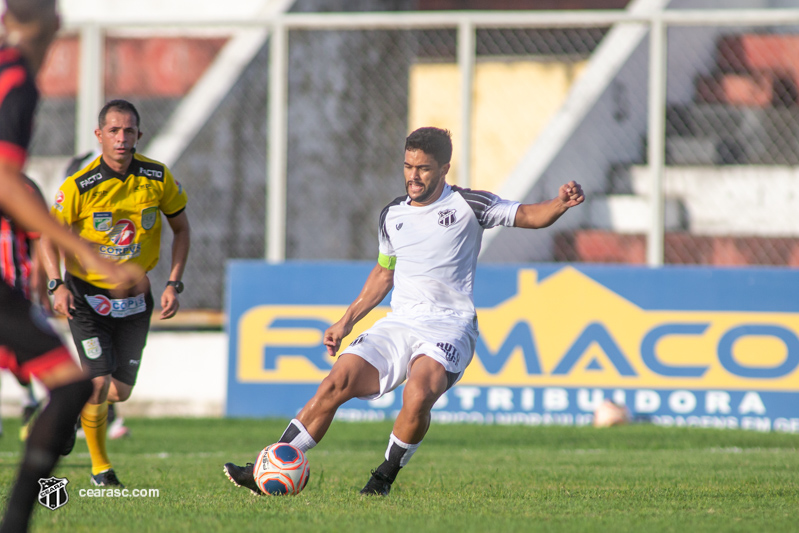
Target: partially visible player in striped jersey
{"points": [[21, 269], [20, 266], [429, 240], [32, 347]]}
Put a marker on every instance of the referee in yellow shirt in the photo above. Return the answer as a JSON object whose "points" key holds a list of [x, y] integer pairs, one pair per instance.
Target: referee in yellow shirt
{"points": [[115, 202]]}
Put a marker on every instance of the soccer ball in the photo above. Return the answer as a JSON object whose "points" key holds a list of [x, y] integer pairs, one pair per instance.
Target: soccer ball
{"points": [[611, 414], [281, 469]]}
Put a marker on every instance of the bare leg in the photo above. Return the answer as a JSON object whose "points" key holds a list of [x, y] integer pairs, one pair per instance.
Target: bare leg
{"points": [[69, 390], [100, 393], [118, 391], [427, 381], [351, 377]]}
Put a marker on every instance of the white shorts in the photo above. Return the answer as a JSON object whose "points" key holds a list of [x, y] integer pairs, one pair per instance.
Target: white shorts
{"points": [[394, 342]]}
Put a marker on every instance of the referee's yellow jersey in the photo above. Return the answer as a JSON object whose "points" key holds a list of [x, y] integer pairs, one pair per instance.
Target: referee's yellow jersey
{"points": [[119, 213]]}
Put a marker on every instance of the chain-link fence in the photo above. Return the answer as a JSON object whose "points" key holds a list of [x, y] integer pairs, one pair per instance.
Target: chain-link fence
{"points": [[549, 103], [731, 153]]}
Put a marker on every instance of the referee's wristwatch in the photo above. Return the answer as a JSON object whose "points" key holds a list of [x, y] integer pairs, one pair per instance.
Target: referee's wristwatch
{"points": [[177, 284], [53, 284]]}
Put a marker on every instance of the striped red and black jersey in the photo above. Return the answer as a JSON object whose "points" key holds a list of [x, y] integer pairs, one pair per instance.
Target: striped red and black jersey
{"points": [[16, 265], [18, 99]]}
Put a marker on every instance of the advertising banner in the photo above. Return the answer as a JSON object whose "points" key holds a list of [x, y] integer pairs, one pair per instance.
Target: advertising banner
{"points": [[679, 346]]}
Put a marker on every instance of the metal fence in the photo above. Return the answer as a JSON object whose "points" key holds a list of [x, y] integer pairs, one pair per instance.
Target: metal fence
{"points": [[293, 154]]}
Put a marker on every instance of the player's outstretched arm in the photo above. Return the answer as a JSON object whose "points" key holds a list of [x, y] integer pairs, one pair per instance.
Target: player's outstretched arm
{"points": [[541, 215], [377, 286], [38, 279], [21, 205]]}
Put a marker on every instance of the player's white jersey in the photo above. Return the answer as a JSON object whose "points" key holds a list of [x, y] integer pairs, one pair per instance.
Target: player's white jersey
{"points": [[436, 248]]}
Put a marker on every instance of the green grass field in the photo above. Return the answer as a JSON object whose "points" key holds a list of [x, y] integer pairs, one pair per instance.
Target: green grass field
{"points": [[464, 478]]}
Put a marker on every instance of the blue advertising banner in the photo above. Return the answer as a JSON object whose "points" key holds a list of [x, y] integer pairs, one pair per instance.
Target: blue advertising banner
{"points": [[679, 346]]}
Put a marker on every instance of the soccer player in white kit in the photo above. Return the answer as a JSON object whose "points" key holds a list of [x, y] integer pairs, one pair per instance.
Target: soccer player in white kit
{"points": [[429, 240]]}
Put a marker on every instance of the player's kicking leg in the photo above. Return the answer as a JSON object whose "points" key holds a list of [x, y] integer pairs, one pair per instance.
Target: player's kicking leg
{"points": [[427, 381], [68, 390], [350, 377], [34, 349]]}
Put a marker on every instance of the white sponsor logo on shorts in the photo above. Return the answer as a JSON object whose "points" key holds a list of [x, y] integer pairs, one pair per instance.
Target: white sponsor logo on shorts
{"points": [[117, 308], [92, 348], [128, 306]]}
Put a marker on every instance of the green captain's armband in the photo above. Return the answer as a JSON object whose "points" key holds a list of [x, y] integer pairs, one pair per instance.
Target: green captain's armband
{"points": [[387, 261]]}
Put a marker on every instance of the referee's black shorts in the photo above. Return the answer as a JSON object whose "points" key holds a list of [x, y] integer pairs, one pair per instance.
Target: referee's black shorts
{"points": [[109, 333], [28, 345]]}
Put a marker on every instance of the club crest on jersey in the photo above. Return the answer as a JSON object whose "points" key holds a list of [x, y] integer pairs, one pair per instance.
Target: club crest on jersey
{"points": [[102, 220], [148, 217], [100, 303], [446, 217], [123, 233], [53, 492]]}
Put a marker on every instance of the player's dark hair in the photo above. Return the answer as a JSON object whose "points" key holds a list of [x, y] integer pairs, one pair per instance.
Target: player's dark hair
{"points": [[27, 10], [119, 105], [433, 141]]}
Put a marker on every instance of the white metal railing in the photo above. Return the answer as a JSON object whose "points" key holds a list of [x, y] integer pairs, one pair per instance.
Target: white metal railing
{"points": [[450, 19]]}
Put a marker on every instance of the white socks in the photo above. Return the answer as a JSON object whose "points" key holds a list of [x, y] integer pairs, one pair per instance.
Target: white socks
{"points": [[296, 435], [399, 452]]}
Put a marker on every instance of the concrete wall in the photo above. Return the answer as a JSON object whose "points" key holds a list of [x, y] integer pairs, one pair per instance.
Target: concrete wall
{"points": [[182, 374], [513, 101], [745, 200]]}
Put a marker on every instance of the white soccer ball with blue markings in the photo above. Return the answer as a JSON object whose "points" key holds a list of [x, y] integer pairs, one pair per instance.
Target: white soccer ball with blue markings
{"points": [[281, 469]]}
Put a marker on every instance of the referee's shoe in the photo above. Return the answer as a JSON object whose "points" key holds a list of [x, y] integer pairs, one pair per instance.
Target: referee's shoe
{"points": [[107, 478]]}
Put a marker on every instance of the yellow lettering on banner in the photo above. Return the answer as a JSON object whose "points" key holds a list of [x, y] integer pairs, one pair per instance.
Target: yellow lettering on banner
{"points": [[564, 306], [285, 343]]}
